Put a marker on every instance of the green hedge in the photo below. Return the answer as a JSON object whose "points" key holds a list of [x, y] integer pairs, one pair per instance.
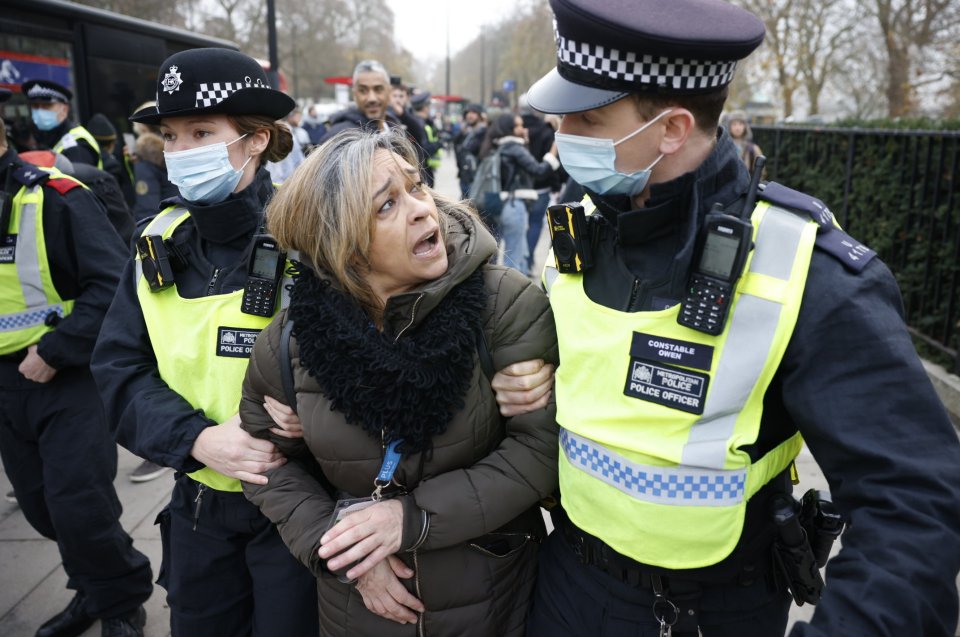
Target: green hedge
{"points": [[902, 200]]}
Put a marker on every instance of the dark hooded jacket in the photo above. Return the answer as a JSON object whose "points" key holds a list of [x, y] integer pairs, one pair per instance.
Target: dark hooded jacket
{"points": [[471, 520]]}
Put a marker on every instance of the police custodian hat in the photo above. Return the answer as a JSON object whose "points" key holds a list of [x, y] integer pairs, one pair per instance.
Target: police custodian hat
{"points": [[607, 49], [46, 91], [213, 81]]}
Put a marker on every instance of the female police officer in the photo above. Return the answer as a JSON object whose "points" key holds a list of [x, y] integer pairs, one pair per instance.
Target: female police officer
{"points": [[175, 343]]}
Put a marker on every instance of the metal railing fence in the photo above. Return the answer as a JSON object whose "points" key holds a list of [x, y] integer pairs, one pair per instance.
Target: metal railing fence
{"points": [[897, 191]]}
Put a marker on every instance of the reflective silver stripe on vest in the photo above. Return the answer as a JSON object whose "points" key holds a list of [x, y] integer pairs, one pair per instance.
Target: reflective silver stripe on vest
{"points": [[159, 225], [660, 485], [550, 275], [752, 327], [30, 318], [28, 256]]}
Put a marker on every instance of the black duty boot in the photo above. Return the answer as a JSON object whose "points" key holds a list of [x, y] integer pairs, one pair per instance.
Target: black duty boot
{"points": [[69, 622], [126, 625]]}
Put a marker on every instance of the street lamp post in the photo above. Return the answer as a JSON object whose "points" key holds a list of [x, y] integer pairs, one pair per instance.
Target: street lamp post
{"points": [[446, 105], [272, 74]]}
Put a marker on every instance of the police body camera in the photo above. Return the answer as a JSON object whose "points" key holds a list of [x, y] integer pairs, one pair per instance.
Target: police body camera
{"points": [[264, 273], [568, 233], [155, 262]]}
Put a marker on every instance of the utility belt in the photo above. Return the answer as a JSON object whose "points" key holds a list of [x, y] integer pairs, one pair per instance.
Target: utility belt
{"points": [[786, 554], [592, 551]]}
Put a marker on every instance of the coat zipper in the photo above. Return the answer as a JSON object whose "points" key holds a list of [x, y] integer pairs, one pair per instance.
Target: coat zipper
{"points": [[634, 293], [413, 314], [213, 281], [421, 632]]}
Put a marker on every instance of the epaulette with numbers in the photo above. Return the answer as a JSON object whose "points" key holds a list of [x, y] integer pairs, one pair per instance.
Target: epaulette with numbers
{"points": [[830, 237]]}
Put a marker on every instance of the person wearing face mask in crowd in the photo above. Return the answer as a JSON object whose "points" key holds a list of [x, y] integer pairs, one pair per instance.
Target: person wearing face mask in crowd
{"points": [[53, 128], [60, 262], [175, 343], [718, 323]]}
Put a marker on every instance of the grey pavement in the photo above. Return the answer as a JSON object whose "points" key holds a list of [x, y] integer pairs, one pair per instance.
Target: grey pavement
{"points": [[32, 580]]}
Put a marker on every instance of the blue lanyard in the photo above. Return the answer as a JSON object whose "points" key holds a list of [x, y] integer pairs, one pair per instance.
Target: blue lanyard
{"points": [[391, 460]]}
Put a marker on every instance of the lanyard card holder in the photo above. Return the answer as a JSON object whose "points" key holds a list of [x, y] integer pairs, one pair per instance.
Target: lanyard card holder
{"points": [[348, 506]]}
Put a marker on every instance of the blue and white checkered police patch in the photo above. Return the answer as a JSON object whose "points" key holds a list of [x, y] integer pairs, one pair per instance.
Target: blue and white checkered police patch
{"points": [[685, 486], [28, 319]]}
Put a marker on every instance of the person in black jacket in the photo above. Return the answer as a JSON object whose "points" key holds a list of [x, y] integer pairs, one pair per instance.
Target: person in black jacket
{"points": [[53, 128], [540, 134], [57, 448], [518, 169], [641, 134], [172, 354], [372, 105], [150, 170]]}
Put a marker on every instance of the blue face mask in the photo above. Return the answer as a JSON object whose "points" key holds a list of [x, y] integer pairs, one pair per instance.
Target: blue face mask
{"points": [[45, 120], [204, 174], [591, 162]]}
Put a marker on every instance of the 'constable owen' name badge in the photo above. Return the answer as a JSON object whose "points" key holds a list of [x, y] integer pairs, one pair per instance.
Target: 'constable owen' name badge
{"points": [[236, 342], [650, 379]]}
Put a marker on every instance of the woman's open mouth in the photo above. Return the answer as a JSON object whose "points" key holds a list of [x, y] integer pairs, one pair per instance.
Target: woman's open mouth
{"points": [[428, 244]]}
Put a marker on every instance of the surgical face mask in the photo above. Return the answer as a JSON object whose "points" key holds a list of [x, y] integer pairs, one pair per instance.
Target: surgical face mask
{"points": [[45, 120], [591, 162], [204, 174]]}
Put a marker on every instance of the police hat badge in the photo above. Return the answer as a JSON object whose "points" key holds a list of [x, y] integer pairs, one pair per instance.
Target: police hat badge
{"points": [[213, 80]]}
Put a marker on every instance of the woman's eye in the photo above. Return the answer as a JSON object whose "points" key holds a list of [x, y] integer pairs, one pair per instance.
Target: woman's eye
{"points": [[168, 137], [417, 187], [387, 205]]}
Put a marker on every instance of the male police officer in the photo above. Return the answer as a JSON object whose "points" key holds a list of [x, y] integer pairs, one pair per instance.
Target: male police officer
{"points": [[680, 421], [59, 265], [53, 128]]}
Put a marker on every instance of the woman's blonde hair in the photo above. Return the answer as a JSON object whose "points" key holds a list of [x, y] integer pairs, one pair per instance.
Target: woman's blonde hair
{"points": [[325, 209]]}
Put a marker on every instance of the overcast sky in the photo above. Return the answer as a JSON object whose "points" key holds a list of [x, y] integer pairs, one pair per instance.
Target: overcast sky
{"points": [[421, 25]]}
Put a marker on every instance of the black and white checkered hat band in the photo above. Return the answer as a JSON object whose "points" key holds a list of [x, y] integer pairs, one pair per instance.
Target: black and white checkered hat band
{"points": [[213, 94], [38, 92], [626, 69]]}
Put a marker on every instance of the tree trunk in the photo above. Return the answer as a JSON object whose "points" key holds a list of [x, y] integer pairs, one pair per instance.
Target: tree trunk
{"points": [[899, 90]]}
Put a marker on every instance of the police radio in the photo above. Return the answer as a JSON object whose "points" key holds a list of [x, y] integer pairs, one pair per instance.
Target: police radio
{"points": [[722, 250], [264, 273], [155, 262], [568, 234]]}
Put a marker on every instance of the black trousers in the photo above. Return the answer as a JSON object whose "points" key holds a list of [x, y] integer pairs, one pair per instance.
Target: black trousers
{"points": [[573, 599], [61, 460], [232, 575]]}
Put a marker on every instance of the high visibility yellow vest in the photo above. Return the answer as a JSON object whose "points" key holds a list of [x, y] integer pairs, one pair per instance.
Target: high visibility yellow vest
{"points": [[27, 293], [69, 140], [655, 416], [202, 345], [433, 160]]}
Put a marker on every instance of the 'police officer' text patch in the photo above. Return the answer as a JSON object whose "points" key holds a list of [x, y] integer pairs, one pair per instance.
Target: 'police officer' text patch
{"points": [[236, 342], [667, 385]]}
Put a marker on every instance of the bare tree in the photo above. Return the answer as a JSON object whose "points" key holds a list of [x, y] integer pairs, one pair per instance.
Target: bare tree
{"points": [[908, 27], [778, 53], [824, 28]]}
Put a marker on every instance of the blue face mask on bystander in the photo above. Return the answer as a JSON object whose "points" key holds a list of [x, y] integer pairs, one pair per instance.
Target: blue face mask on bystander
{"points": [[591, 162], [44, 120], [204, 174]]}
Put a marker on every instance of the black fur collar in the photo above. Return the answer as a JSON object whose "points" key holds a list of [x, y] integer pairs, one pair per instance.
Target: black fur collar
{"points": [[408, 389]]}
